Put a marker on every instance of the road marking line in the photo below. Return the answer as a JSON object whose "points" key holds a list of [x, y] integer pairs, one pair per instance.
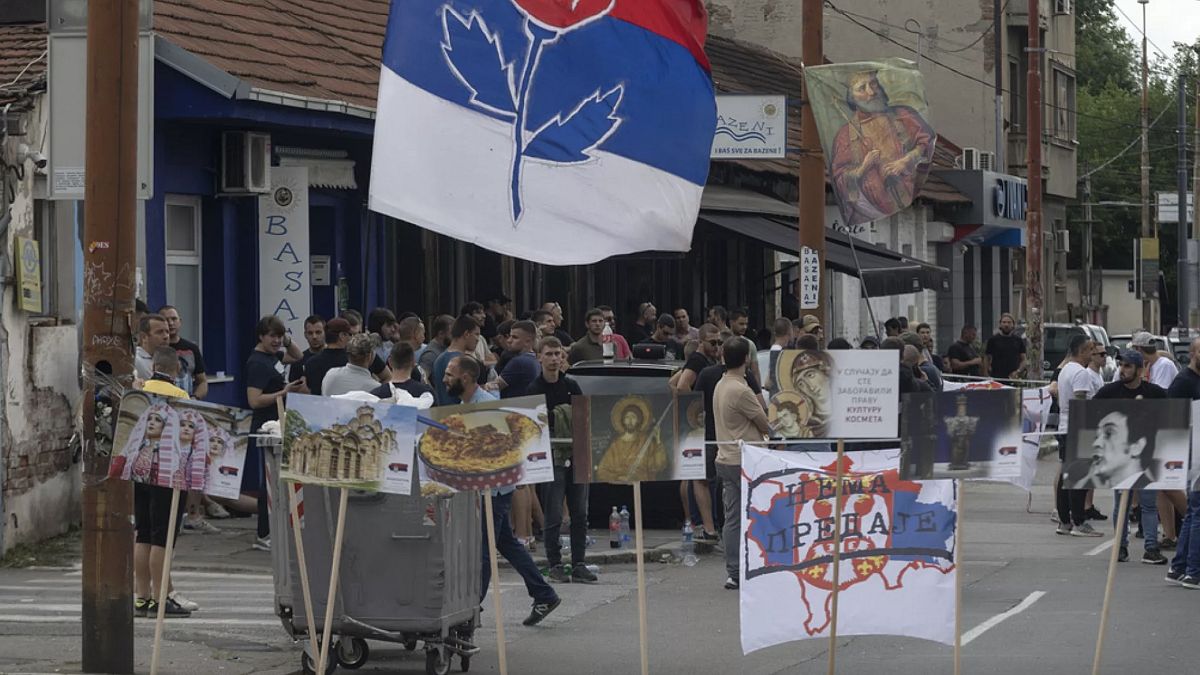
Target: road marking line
{"points": [[996, 620], [1101, 548], [191, 621]]}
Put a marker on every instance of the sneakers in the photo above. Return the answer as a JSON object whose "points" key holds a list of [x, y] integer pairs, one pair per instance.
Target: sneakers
{"points": [[200, 525], [172, 610], [263, 544], [703, 537], [140, 605], [581, 574], [1063, 528], [1168, 543], [1190, 581], [1093, 514], [731, 584], [559, 574], [1085, 530], [215, 510], [1153, 558], [1123, 554], [1174, 577], [183, 602], [541, 611]]}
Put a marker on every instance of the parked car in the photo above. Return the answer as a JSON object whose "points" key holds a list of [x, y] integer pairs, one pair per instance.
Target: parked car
{"points": [[1121, 342], [1180, 345], [1056, 337]]}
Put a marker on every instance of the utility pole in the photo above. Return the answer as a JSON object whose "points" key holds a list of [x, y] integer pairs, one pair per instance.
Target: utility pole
{"points": [[812, 174], [1089, 302], [1181, 175], [1033, 159], [1148, 294], [109, 257], [998, 33], [1193, 281]]}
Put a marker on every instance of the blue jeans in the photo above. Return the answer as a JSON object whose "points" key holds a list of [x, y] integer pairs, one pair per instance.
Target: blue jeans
{"points": [[1187, 552], [516, 555], [577, 503], [1148, 501]]}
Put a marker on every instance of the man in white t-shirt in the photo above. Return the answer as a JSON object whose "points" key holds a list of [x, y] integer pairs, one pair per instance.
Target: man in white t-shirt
{"points": [[1159, 370], [1074, 377]]}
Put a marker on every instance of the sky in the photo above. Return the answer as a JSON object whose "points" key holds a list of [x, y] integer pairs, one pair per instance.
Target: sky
{"points": [[1167, 22]]}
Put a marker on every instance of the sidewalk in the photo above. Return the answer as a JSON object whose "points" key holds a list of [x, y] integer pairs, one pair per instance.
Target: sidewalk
{"points": [[231, 550]]}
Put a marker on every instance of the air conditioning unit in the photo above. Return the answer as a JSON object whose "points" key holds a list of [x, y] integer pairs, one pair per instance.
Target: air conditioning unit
{"points": [[974, 159], [1062, 241], [245, 162]]}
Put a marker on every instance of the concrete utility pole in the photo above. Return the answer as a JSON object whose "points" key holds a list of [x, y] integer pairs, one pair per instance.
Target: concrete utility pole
{"points": [[1089, 302], [1033, 216], [1181, 174], [812, 172], [1193, 280], [1147, 231], [998, 34], [109, 258]]}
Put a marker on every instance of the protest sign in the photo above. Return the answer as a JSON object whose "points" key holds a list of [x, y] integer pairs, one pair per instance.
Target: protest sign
{"points": [[180, 443], [1193, 478], [963, 434], [835, 394], [485, 445], [348, 444], [638, 437], [1128, 443], [897, 549]]}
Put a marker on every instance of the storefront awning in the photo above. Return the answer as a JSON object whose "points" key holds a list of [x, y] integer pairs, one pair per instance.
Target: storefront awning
{"points": [[884, 272]]}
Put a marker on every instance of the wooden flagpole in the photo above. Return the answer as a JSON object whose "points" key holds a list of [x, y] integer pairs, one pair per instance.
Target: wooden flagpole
{"points": [[1122, 510], [958, 580], [298, 539], [323, 652], [837, 556], [641, 575], [501, 652], [164, 581]]}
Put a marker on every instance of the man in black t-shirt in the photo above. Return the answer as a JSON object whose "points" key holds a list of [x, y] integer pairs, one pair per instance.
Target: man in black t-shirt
{"points": [[337, 336], [1005, 351], [192, 377], [963, 357], [314, 334], [401, 362], [706, 354], [558, 388], [664, 334]]}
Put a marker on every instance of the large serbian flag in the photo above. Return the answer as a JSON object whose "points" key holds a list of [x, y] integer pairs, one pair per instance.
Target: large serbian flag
{"points": [[558, 131]]}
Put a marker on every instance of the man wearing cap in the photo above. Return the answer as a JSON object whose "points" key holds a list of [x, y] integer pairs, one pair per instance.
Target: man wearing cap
{"points": [[869, 342], [1159, 370], [1131, 384], [337, 336], [932, 375], [811, 325]]}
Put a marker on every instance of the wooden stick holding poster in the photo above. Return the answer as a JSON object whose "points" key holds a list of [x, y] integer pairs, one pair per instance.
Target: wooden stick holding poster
{"points": [[958, 581], [641, 576], [298, 539], [323, 653], [164, 581], [1122, 511], [501, 652], [837, 556]]}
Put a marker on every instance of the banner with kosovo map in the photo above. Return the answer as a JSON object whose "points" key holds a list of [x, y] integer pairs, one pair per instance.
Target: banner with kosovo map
{"points": [[897, 548]]}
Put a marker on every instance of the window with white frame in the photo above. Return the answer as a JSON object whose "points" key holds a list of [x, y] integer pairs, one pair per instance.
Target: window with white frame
{"points": [[182, 233]]}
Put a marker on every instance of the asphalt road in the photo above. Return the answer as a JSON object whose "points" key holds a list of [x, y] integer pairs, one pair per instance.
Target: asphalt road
{"points": [[1012, 559]]}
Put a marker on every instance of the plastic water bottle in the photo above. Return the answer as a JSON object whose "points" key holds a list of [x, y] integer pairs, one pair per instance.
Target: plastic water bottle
{"points": [[614, 529], [687, 547], [564, 542], [606, 343], [626, 538], [594, 569]]}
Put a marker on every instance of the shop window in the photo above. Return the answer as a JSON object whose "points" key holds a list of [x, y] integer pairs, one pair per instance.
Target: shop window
{"points": [[182, 234]]}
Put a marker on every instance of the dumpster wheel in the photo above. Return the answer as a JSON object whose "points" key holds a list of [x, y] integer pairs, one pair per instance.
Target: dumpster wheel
{"points": [[352, 653], [309, 664], [436, 663]]}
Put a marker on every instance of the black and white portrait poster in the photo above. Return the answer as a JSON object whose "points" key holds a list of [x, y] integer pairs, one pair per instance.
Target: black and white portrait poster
{"points": [[1128, 443]]}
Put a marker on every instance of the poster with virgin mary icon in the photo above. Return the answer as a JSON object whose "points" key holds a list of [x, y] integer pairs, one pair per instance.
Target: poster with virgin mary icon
{"points": [[638, 437], [180, 443]]}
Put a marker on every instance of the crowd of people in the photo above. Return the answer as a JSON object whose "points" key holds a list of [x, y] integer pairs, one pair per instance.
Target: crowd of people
{"points": [[486, 352]]}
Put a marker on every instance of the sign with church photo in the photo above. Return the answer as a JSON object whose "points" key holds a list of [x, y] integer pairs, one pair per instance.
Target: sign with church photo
{"points": [[348, 444], [180, 443], [481, 446], [961, 434], [627, 438], [830, 394], [873, 121]]}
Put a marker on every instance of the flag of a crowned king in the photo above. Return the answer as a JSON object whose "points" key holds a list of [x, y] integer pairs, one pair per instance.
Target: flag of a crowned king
{"points": [[558, 131]]}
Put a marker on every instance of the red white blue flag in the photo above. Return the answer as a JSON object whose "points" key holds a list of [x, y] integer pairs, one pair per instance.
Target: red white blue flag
{"points": [[558, 131]]}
